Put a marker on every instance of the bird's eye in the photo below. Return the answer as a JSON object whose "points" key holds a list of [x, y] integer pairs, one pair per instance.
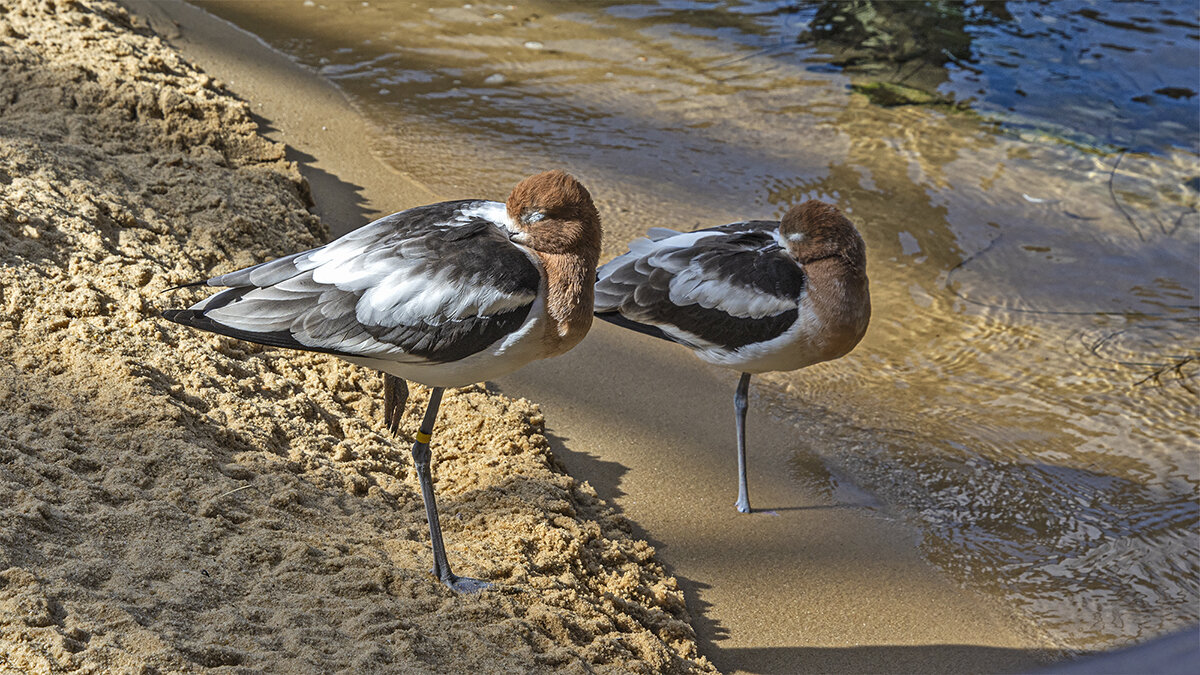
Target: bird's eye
{"points": [[533, 216]]}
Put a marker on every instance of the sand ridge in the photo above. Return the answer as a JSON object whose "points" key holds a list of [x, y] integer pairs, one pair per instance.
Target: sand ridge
{"points": [[174, 500]]}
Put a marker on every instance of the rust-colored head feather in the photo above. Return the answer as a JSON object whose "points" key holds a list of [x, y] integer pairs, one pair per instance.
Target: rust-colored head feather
{"points": [[834, 257], [557, 214], [815, 230]]}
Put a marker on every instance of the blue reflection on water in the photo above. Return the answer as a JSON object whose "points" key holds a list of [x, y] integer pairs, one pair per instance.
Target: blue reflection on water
{"points": [[1123, 74]]}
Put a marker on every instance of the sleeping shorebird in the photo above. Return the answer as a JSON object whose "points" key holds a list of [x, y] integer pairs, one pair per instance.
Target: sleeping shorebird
{"points": [[755, 296], [446, 295]]}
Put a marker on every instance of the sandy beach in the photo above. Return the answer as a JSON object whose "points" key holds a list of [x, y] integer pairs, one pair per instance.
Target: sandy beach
{"points": [[180, 501]]}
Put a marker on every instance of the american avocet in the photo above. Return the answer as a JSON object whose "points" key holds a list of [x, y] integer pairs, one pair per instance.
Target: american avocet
{"points": [[755, 296], [445, 294]]}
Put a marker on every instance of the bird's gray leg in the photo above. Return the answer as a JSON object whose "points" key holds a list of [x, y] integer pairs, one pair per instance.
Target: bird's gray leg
{"points": [[421, 457], [739, 409], [395, 395]]}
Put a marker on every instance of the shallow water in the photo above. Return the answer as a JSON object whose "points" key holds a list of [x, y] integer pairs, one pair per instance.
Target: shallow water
{"points": [[1028, 388]]}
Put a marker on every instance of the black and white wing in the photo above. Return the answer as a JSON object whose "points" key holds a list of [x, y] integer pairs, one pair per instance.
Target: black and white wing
{"points": [[723, 287], [432, 284]]}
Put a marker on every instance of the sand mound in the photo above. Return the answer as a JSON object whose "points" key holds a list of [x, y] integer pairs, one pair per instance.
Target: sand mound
{"points": [[173, 500]]}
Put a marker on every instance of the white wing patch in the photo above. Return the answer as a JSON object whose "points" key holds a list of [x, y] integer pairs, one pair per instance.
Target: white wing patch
{"points": [[405, 299], [495, 212], [689, 286], [348, 266]]}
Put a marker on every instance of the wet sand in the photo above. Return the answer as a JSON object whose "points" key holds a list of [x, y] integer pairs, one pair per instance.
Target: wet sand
{"points": [[813, 582]]}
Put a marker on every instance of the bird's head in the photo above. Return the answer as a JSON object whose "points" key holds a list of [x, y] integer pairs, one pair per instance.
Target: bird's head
{"points": [[815, 230], [554, 213]]}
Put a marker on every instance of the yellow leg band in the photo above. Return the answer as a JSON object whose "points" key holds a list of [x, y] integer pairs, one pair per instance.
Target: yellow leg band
{"points": [[423, 437]]}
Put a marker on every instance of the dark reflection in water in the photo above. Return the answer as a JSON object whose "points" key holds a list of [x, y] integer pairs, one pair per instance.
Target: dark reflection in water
{"points": [[900, 37]]}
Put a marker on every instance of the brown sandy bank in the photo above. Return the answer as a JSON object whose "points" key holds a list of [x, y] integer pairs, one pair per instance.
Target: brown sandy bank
{"points": [[173, 501]]}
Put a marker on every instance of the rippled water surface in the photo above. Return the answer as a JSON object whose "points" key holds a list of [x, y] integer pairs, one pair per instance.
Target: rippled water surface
{"points": [[1025, 176]]}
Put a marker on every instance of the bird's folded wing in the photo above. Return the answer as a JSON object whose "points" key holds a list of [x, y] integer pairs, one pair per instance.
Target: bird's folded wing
{"points": [[723, 287], [431, 284]]}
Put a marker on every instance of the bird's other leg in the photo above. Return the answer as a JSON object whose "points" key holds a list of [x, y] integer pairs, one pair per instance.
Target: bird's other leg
{"points": [[395, 395], [739, 408], [421, 457]]}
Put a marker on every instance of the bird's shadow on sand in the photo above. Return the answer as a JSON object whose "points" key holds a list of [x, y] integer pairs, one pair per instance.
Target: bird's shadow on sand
{"points": [[605, 478], [341, 205]]}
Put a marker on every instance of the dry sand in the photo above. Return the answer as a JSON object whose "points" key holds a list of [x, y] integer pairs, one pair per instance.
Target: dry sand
{"points": [[171, 500]]}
